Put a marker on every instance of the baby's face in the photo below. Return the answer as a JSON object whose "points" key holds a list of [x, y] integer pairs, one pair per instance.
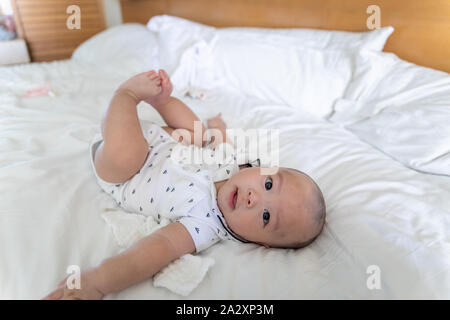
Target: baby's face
{"points": [[267, 209]]}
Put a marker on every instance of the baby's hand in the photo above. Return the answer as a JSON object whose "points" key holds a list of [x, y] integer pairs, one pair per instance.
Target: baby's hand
{"points": [[143, 85], [87, 291], [217, 122], [162, 98]]}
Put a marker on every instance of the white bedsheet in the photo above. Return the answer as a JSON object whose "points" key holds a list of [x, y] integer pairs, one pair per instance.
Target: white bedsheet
{"points": [[379, 212]]}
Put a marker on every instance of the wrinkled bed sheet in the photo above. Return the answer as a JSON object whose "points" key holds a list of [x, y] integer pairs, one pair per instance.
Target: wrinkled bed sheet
{"points": [[380, 213]]}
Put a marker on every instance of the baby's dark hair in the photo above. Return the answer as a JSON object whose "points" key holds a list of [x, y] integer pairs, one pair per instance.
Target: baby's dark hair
{"points": [[318, 211]]}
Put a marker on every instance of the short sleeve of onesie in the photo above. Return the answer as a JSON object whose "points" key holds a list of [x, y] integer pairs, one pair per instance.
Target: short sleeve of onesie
{"points": [[196, 222]]}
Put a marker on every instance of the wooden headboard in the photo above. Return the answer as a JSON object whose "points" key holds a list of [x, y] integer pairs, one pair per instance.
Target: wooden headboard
{"points": [[422, 28], [43, 24]]}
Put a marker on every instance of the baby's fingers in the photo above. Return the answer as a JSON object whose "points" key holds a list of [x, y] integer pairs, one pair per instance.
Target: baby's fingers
{"points": [[163, 74], [157, 82], [165, 78], [63, 282], [70, 295], [217, 117], [153, 76], [55, 295]]}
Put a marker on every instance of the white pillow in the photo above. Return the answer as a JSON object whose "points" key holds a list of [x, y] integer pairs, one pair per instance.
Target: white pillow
{"points": [[383, 75], [127, 49], [417, 135], [381, 80], [301, 77], [315, 38], [176, 34], [400, 108]]}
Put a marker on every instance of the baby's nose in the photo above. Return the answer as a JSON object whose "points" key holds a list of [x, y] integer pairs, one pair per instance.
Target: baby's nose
{"points": [[252, 198]]}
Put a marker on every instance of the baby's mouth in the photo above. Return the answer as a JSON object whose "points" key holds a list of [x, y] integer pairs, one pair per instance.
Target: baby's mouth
{"points": [[232, 199]]}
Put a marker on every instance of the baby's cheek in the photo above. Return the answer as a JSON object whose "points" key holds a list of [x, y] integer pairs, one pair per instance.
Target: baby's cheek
{"points": [[238, 223]]}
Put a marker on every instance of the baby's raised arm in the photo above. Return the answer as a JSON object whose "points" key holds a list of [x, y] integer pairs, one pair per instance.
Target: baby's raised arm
{"points": [[141, 261]]}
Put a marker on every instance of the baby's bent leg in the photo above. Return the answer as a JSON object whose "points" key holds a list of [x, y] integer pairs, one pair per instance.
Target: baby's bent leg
{"points": [[124, 149]]}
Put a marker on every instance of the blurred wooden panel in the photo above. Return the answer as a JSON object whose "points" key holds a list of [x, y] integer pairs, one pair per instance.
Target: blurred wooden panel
{"points": [[43, 24], [422, 28]]}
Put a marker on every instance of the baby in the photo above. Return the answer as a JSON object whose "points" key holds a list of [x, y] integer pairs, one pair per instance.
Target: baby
{"points": [[134, 162]]}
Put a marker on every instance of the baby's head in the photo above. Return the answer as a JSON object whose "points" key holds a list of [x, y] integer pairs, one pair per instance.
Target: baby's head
{"points": [[284, 210]]}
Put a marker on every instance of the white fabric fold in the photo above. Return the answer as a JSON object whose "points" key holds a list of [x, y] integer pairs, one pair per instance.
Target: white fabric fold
{"points": [[182, 275]]}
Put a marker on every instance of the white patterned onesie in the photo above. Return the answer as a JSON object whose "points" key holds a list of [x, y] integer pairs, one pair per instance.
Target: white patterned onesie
{"points": [[175, 189]]}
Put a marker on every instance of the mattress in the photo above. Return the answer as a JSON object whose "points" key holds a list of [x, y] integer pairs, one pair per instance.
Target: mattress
{"points": [[381, 214]]}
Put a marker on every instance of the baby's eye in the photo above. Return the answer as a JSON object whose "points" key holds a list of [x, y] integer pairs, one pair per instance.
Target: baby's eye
{"points": [[266, 216], [268, 184]]}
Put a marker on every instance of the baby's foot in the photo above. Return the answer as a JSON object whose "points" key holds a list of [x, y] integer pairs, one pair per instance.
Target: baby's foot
{"points": [[143, 85], [162, 98]]}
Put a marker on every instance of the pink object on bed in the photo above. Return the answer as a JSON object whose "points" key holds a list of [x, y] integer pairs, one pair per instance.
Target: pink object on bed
{"points": [[39, 92]]}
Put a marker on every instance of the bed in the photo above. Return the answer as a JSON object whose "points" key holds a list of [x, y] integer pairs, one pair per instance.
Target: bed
{"points": [[379, 150]]}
